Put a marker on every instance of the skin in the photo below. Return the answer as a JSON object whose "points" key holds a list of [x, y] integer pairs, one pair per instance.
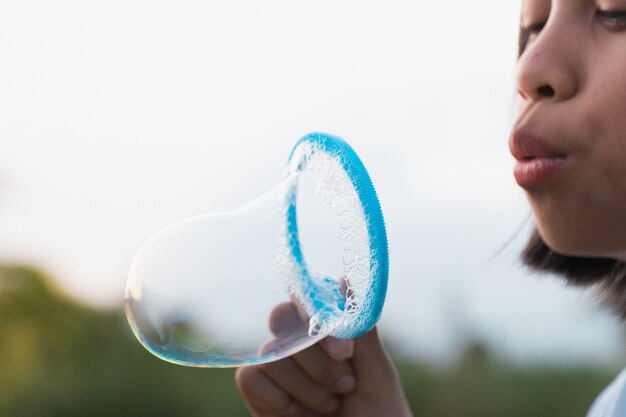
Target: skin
{"points": [[571, 82], [333, 378], [580, 57]]}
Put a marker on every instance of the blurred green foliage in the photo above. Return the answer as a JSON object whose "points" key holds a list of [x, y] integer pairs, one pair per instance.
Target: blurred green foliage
{"points": [[480, 385], [61, 358]]}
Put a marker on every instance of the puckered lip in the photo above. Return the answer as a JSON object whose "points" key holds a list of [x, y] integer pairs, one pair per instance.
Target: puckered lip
{"points": [[525, 146]]}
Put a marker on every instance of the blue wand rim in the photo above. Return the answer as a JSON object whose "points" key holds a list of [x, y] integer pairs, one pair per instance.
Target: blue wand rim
{"points": [[317, 295]]}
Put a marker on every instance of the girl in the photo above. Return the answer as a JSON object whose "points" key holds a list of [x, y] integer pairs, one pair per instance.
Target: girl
{"points": [[570, 145]]}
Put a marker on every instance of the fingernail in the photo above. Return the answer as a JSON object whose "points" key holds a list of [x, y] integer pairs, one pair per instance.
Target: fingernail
{"points": [[339, 349], [345, 384], [333, 405]]}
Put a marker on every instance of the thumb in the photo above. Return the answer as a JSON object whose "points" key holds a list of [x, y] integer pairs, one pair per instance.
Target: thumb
{"points": [[370, 361], [377, 379]]}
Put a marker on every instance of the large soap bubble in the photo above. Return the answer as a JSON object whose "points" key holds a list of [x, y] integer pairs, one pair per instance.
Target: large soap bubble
{"points": [[201, 292]]}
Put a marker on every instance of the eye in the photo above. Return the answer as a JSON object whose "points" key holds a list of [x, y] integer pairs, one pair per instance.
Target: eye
{"points": [[612, 19], [528, 33]]}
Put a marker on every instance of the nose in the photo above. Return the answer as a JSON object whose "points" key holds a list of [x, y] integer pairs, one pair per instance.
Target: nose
{"points": [[547, 69]]}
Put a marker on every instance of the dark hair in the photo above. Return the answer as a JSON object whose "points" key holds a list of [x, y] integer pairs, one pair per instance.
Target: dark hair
{"points": [[609, 275]]}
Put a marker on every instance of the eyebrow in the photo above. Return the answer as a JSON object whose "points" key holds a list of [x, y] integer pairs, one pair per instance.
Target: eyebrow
{"points": [[524, 35]]}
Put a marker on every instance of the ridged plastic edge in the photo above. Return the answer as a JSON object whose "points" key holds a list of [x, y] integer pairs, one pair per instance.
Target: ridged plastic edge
{"points": [[379, 261]]}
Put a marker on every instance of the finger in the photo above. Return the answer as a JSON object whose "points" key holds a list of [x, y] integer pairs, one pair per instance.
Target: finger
{"points": [[291, 378], [368, 350], [338, 349], [263, 397], [370, 361], [284, 320], [376, 373], [336, 376], [287, 318]]}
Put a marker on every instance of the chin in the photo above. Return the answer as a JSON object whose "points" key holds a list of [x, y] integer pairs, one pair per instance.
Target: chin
{"points": [[569, 244], [607, 275], [572, 237]]}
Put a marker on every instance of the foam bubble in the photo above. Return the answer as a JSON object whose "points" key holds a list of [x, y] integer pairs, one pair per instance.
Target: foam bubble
{"points": [[330, 302]]}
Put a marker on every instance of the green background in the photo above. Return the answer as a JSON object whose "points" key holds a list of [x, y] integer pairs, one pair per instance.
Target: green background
{"points": [[61, 358]]}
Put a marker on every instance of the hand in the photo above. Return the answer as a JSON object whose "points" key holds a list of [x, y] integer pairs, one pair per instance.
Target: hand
{"points": [[341, 378]]}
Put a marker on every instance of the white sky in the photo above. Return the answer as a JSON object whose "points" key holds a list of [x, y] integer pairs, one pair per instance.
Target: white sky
{"points": [[119, 118]]}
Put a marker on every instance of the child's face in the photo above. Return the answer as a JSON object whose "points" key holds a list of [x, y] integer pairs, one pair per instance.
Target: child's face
{"points": [[571, 130]]}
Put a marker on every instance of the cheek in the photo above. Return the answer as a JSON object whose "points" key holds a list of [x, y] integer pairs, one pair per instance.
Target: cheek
{"points": [[605, 88], [609, 161], [586, 214], [606, 110]]}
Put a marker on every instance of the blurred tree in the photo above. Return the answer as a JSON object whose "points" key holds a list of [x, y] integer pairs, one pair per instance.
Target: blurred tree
{"points": [[59, 358], [480, 385]]}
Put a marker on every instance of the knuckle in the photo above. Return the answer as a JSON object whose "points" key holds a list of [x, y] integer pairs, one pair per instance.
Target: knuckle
{"points": [[324, 402], [261, 395], [330, 374], [274, 368]]}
